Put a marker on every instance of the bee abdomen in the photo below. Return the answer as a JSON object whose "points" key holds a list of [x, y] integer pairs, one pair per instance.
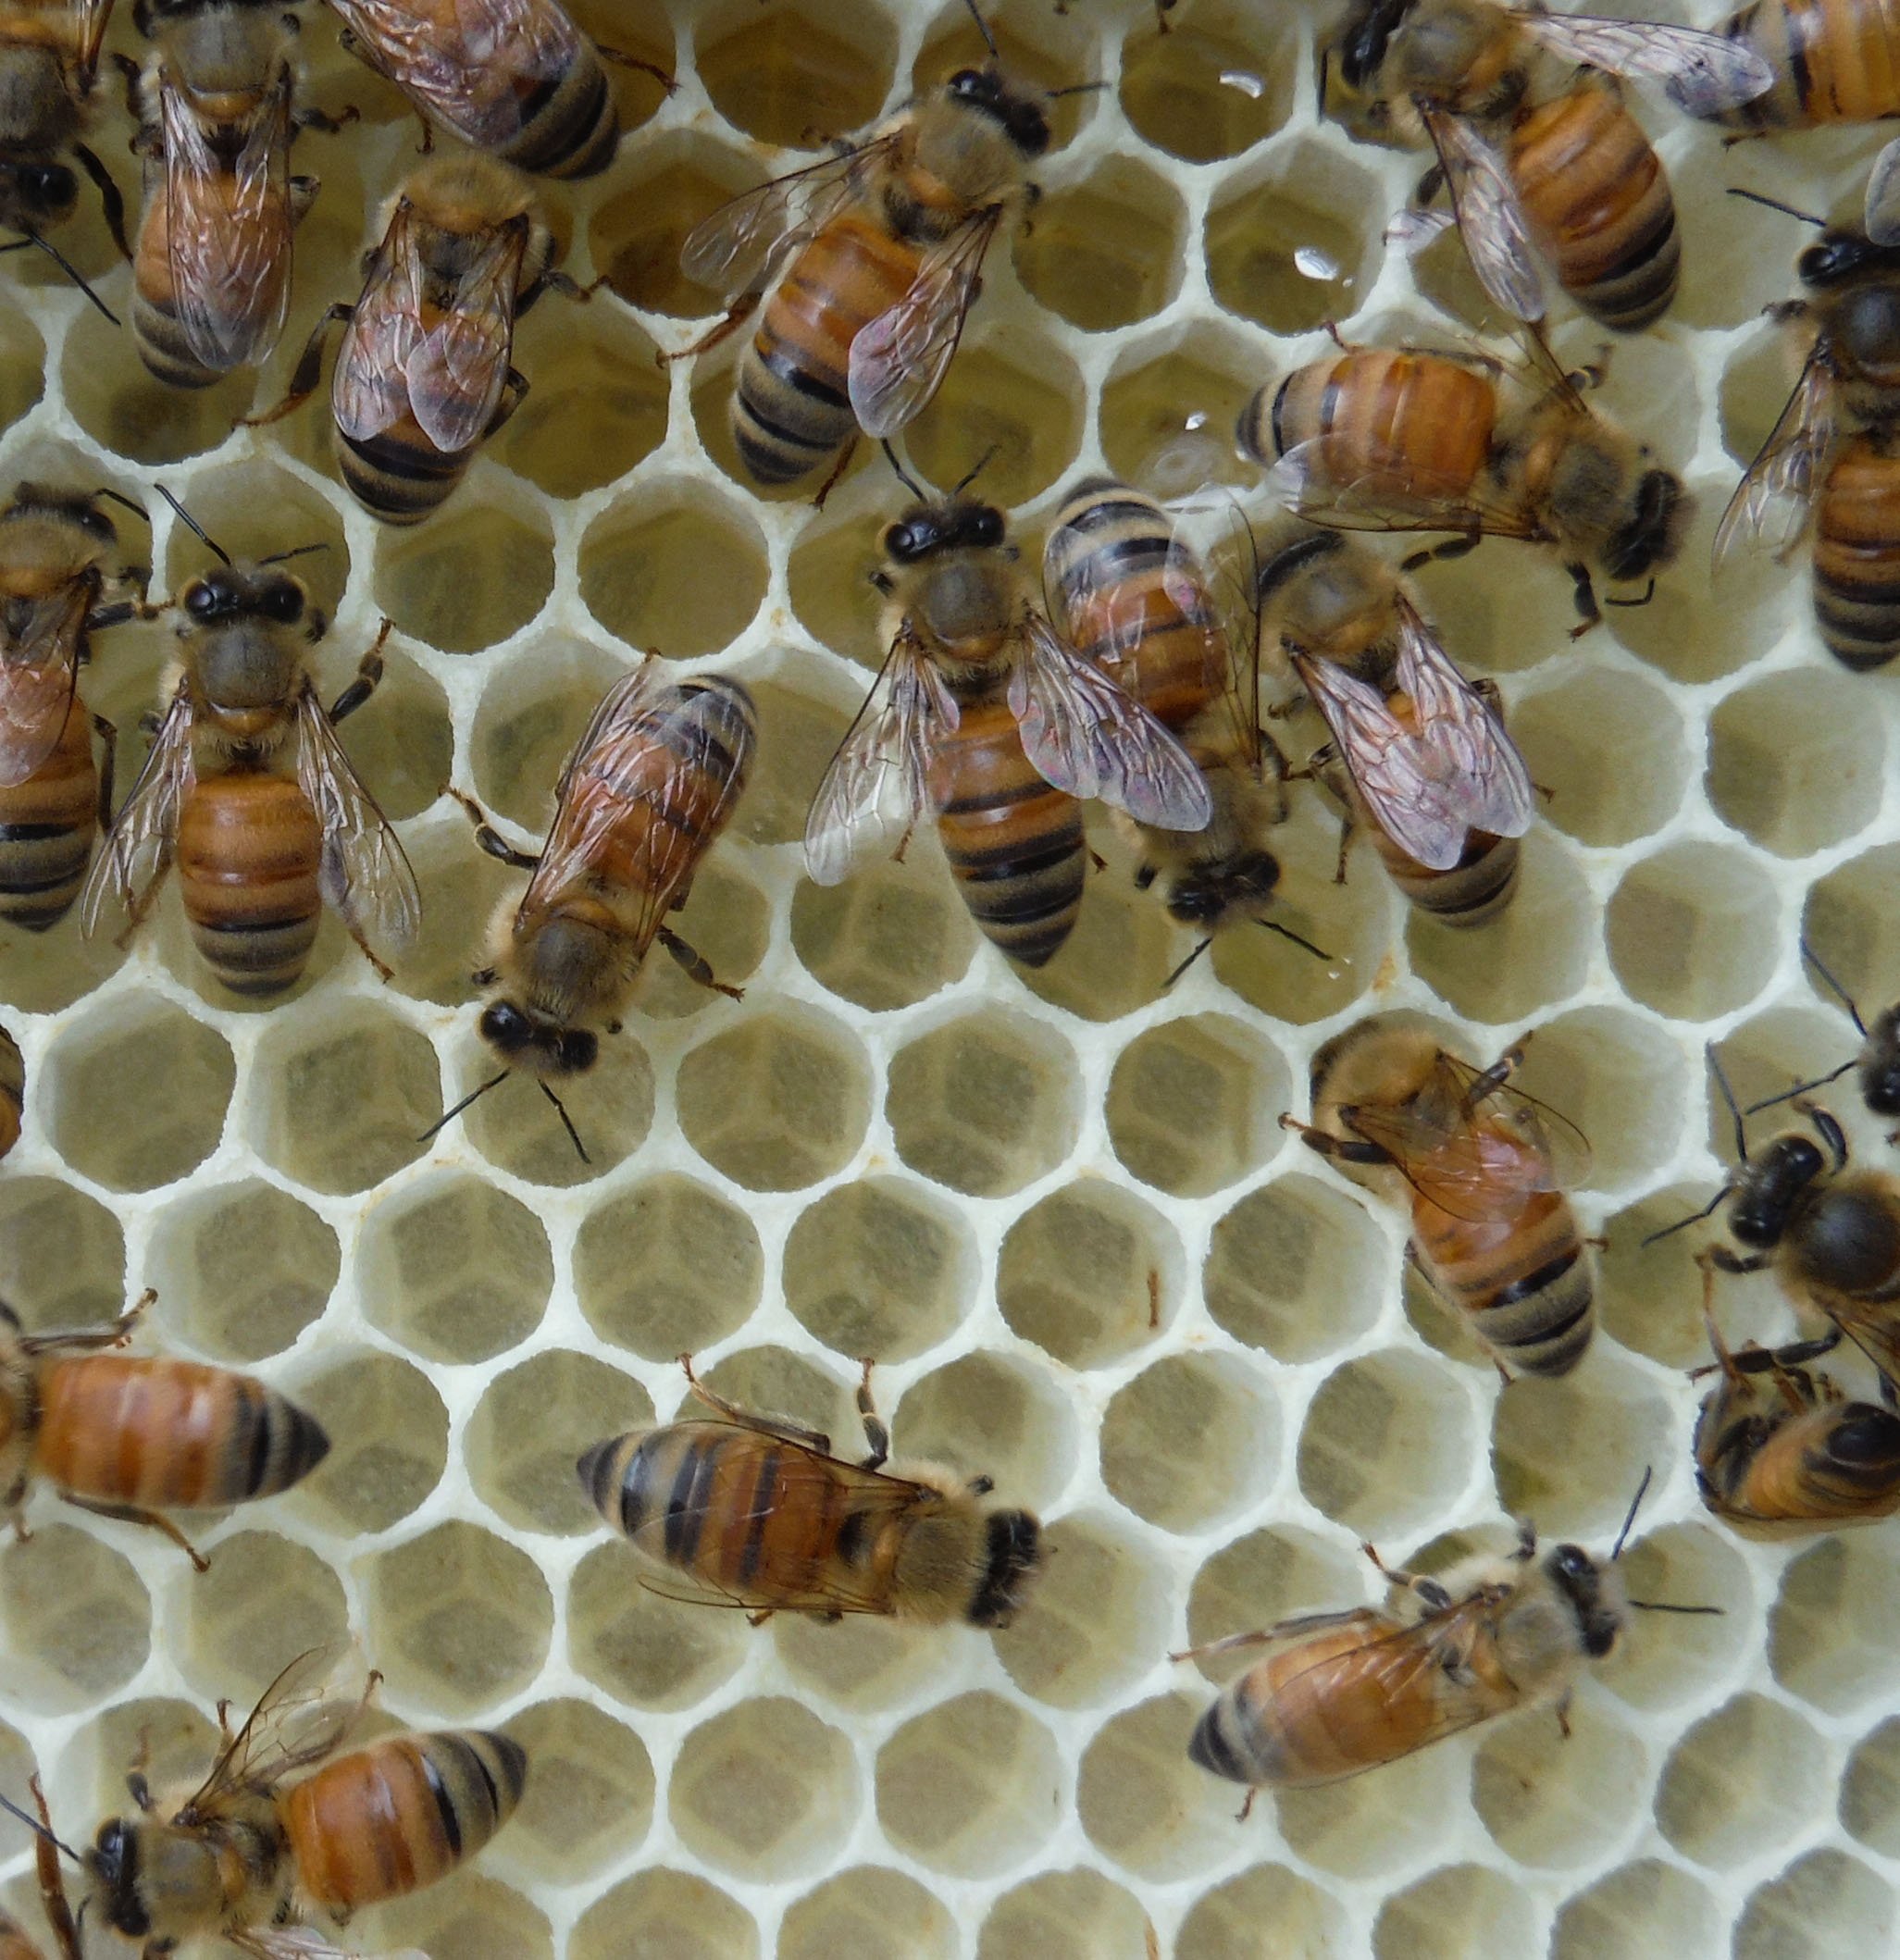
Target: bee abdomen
{"points": [[1541, 1322], [1475, 889], [393, 1818], [1834, 61], [249, 849], [164, 347], [13, 1091], [131, 1429], [1856, 557], [399, 475], [570, 126]]}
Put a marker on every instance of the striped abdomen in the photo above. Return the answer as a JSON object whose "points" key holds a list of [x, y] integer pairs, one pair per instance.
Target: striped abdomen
{"points": [[790, 408], [1598, 204], [1856, 555], [249, 849], [1834, 61], [13, 1091], [46, 826], [400, 1815], [1834, 1464], [1014, 844], [400, 475], [131, 1429], [570, 126]]}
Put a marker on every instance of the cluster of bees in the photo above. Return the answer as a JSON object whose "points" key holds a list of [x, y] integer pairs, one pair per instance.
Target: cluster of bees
{"points": [[1170, 636]]}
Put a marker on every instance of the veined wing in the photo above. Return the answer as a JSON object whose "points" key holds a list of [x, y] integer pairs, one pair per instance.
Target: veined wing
{"points": [[1490, 219], [366, 874], [737, 247], [1883, 219], [370, 390], [457, 370], [1325, 482], [1775, 498], [293, 1726], [1703, 74], [38, 669], [138, 848], [899, 359]]}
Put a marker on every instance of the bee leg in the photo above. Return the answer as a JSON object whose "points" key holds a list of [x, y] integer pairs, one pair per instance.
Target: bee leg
{"points": [[384, 970], [111, 200], [303, 195], [980, 1486], [621, 58], [309, 367], [812, 1439], [369, 676], [151, 1520], [694, 965], [320, 119], [490, 842], [514, 393], [735, 317], [51, 1878], [1228, 1643], [1428, 1591], [761, 1617], [1349, 1151], [1452, 548], [89, 1339], [1585, 594], [1246, 1810], [875, 1433], [838, 469]]}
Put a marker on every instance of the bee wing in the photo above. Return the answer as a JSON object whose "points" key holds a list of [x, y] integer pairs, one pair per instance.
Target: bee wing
{"points": [[877, 784], [137, 850], [457, 369], [1776, 495], [1871, 1330], [228, 230], [264, 1749], [370, 391], [38, 669], [366, 874], [1320, 481], [1883, 219], [304, 1942], [1701, 74], [86, 28], [898, 360], [1490, 219], [734, 249], [1086, 737]]}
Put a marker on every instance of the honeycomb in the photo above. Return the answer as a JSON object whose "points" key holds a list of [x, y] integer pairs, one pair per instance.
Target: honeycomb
{"points": [[1056, 1206]]}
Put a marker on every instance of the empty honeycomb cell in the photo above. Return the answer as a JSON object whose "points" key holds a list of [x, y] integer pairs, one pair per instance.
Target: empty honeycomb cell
{"points": [[879, 1268], [1218, 80], [677, 570], [634, 238], [611, 1107], [1850, 922], [972, 1787], [1636, 1910], [1619, 1079], [1121, 954], [986, 1104], [1649, 1296], [829, 573], [470, 1915], [342, 1096], [777, 1101], [1870, 1788], [1460, 1913], [1265, 1902], [1693, 930], [868, 1912], [1553, 1797], [265, 1601], [134, 1096], [174, 1741], [1829, 1630], [774, 1380], [461, 888], [1610, 749], [1407, 1815], [1769, 1054], [453, 1269], [1387, 1441], [671, 1914], [796, 75], [460, 1618], [389, 1441], [1262, 1578], [1190, 1442], [1105, 251], [1089, 1273], [1297, 1267], [1143, 1803], [1825, 1902], [1074, 1914], [1288, 244], [727, 920], [598, 403], [1193, 1103], [1741, 1782], [527, 723], [109, 393], [990, 1415], [800, 728], [254, 509], [78, 1620], [472, 576], [1667, 1659], [1036, 48], [890, 935], [590, 1797], [532, 1424], [62, 1254], [401, 745], [1739, 259], [1094, 1620], [1569, 1452], [667, 1267], [242, 1270], [1169, 406], [1794, 764], [65, 967], [765, 1789], [644, 1650], [22, 366], [1013, 404], [863, 1663]]}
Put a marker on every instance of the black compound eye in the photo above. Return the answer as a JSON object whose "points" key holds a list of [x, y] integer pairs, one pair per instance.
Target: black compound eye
{"points": [[207, 597], [904, 543], [971, 85], [985, 525], [576, 1048], [1572, 1561], [505, 1026], [282, 601]]}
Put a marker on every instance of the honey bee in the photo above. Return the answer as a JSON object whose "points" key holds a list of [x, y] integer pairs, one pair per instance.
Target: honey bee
{"points": [[13, 1091], [881, 250], [14, 1942], [423, 376], [1419, 758], [1569, 175], [1476, 1159], [259, 852], [986, 714], [120, 1435], [1876, 1066], [217, 109], [752, 1511], [652, 781], [1376, 439]]}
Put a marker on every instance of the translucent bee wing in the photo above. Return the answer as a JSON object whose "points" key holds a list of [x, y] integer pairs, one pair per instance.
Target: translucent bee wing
{"points": [[138, 848], [734, 248], [1703, 74], [365, 874], [457, 370], [1490, 219], [1884, 197], [1775, 498], [899, 360], [38, 669]]}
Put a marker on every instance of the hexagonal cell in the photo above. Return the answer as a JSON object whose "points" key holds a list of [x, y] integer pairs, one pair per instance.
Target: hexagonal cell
{"points": [[633, 27], [667, 1267], [1064, 1915], [62, 1256], [78, 1621], [892, 934], [1087, 1274], [22, 366], [1553, 1797], [110, 394], [1636, 1910], [985, 1104], [799, 732], [1408, 1814], [1224, 1923], [1828, 1629], [635, 237], [458, 884], [589, 1803], [777, 1101], [135, 1094], [527, 722], [971, 1787], [265, 1601], [1098, 1616], [64, 967], [530, 1425], [865, 1664], [776, 1381], [879, 1268], [1741, 1782], [796, 75], [402, 744], [1296, 242], [1794, 764], [675, 1913], [343, 1095], [644, 568], [868, 1913], [1169, 406], [1693, 930], [1649, 1296], [1264, 1578], [1191, 1441], [598, 406], [1566, 1452], [1610, 747], [473, 576], [611, 1107], [765, 1789], [1870, 1788], [1620, 1080], [454, 1269], [1023, 411], [829, 574], [646, 1651], [1667, 1659], [1297, 1267], [1849, 921], [467, 1914], [1460, 1913], [987, 1415], [462, 1619], [1105, 251], [1825, 1902], [174, 1741], [1386, 1443], [1191, 1104], [1735, 268], [1122, 953], [1769, 1054], [388, 1442], [1211, 81], [1144, 1804]]}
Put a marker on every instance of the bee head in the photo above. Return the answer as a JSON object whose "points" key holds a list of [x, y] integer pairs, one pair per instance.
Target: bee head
{"points": [[1204, 896], [1771, 1187], [1368, 33], [1840, 255], [35, 196], [545, 1047], [984, 90], [1652, 534], [114, 1863], [926, 530], [1880, 1081], [232, 591], [1593, 1596]]}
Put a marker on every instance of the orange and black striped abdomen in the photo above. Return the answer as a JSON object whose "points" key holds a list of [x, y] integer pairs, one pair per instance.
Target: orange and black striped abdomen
{"points": [[131, 1429], [1014, 844], [13, 1091], [1856, 555], [46, 828], [1834, 61], [400, 475], [404, 1814], [570, 125], [249, 852], [1598, 204], [1471, 892], [791, 410], [1832, 1464]]}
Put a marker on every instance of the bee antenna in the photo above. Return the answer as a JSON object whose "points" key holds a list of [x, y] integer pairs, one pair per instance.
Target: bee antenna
{"points": [[138, 510], [1774, 204], [1682, 1224], [1722, 1082], [67, 266], [1616, 1551], [983, 29], [903, 476], [1660, 1606], [38, 1830], [448, 1116], [1192, 957], [567, 1125], [1319, 952], [192, 524], [1835, 989], [1075, 88], [302, 551], [976, 470]]}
